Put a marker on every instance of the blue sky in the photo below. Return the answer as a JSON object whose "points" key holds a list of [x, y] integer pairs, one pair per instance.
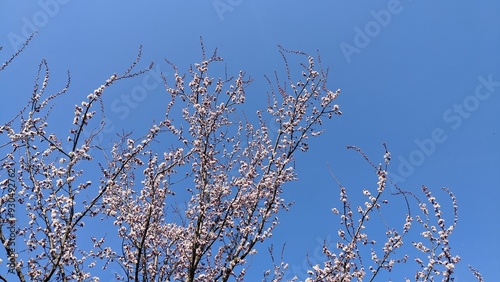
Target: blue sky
{"points": [[422, 76]]}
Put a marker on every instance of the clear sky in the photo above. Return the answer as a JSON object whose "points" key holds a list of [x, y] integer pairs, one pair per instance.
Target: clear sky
{"points": [[422, 76]]}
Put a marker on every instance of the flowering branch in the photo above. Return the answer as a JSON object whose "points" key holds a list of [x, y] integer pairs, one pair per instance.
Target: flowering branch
{"points": [[25, 44], [347, 263], [49, 184], [191, 198], [237, 172]]}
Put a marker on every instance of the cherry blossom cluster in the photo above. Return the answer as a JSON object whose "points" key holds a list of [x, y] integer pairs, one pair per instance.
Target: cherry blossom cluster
{"points": [[347, 260], [231, 170], [54, 190], [189, 199], [439, 260]]}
